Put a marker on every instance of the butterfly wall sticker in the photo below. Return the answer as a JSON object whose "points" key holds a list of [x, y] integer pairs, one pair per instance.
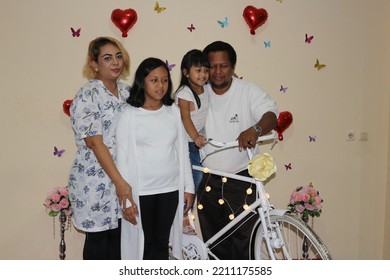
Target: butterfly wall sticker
{"points": [[58, 152], [283, 89], [308, 39], [191, 28], [223, 23], [267, 44], [288, 166], [318, 65], [75, 33], [170, 66], [312, 138], [159, 8]]}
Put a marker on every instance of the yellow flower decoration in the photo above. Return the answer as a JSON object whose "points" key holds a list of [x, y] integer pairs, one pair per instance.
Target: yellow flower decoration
{"points": [[261, 166]]}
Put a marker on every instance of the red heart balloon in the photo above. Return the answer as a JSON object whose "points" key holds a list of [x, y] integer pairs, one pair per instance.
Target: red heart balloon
{"points": [[255, 17], [124, 19], [285, 119], [66, 106]]}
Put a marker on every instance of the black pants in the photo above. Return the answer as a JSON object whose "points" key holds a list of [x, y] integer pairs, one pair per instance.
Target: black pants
{"points": [[215, 216], [157, 215], [103, 245]]}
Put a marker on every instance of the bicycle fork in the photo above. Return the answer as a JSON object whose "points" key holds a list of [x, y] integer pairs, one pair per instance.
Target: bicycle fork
{"points": [[271, 231]]}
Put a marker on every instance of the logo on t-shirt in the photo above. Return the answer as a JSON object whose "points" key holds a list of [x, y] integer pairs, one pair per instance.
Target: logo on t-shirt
{"points": [[234, 119]]}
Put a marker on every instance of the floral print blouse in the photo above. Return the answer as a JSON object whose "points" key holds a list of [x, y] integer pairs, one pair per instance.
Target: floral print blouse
{"points": [[94, 111]]}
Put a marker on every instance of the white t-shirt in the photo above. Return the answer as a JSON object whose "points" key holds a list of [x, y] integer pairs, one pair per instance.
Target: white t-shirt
{"points": [[229, 114], [157, 163], [199, 115]]}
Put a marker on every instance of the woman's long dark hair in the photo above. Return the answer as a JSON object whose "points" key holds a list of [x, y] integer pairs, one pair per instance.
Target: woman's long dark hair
{"points": [[192, 58], [137, 91]]}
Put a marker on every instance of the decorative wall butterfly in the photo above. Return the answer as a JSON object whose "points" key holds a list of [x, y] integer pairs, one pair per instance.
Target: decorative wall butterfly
{"points": [[318, 65], [283, 89], [288, 166], [308, 39], [75, 33], [312, 138], [224, 23], [57, 152], [170, 66], [191, 28], [267, 44], [159, 8]]}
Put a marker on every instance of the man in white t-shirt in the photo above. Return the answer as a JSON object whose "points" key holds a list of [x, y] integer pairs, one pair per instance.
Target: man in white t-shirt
{"points": [[239, 110]]}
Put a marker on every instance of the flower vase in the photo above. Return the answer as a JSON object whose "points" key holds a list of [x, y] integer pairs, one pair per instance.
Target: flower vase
{"points": [[305, 246], [62, 247]]}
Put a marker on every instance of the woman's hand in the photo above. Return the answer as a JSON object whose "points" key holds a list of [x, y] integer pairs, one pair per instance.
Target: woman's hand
{"points": [[124, 191], [125, 197], [131, 213]]}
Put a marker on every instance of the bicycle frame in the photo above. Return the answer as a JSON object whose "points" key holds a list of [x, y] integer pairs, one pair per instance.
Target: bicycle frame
{"points": [[275, 235], [261, 205]]}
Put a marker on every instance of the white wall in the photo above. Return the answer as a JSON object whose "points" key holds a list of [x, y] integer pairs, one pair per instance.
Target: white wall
{"points": [[41, 68]]}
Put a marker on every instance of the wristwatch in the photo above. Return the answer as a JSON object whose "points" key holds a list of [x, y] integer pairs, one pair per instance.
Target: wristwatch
{"points": [[258, 129]]}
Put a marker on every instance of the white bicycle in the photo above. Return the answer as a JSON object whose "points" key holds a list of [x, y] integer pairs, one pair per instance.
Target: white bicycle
{"points": [[276, 235]]}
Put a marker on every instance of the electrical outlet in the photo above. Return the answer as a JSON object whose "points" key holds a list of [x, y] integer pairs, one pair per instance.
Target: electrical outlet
{"points": [[363, 136]]}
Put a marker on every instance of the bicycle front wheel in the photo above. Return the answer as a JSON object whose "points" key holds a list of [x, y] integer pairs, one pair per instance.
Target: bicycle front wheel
{"points": [[294, 241]]}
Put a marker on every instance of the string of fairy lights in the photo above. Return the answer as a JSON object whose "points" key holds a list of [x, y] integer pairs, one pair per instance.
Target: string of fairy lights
{"points": [[222, 199]]}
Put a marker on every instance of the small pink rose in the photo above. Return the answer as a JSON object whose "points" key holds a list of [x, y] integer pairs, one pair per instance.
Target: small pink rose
{"points": [[317, 200], [63, 191], [299, 208], [56, 197], [55, 207], [317, 205], [298, 197], [293, 194], [64, 203], [50, 194], [308, 206], [305, 197]]}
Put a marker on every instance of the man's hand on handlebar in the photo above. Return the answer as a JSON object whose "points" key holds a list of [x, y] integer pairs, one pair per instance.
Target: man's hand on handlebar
{"points": [[247, 139]]}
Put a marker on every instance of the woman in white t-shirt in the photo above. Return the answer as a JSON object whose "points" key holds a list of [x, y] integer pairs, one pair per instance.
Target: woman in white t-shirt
{"points": [[153, 159], [193, 101]]}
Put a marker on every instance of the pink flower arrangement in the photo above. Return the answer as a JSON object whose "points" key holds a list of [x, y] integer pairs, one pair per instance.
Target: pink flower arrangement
{"points": [[57, 200], [306, 201]]}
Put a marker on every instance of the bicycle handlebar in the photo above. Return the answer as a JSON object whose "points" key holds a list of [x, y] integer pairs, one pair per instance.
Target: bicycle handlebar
{"points": [[217, 144]]}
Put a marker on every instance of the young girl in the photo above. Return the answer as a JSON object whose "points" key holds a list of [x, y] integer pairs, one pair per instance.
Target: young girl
{"points": [[193, 101], [153, 159], [97, 190]]}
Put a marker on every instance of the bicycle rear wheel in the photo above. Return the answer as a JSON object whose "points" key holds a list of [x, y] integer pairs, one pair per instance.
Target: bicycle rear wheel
{"points": [[299, 241]]}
